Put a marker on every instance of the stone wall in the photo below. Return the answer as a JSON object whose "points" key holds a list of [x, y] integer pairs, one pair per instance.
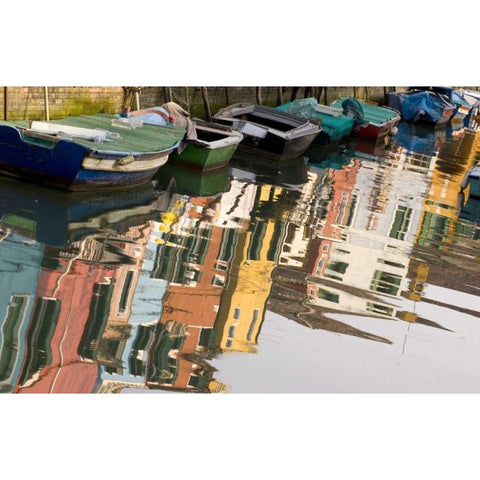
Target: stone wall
{"points": [[29, 102]]}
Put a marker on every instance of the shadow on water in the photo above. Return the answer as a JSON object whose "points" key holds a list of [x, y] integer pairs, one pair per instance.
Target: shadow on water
{"points": [[163, 286]]}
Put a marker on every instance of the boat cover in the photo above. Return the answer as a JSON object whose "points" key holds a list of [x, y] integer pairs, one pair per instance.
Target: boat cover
{"points": [[148, 138], [422, 102], [371, 113], [335, 127]]}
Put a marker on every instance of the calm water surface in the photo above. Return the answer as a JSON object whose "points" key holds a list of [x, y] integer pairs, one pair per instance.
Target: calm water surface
{"points": [[350, 270]]}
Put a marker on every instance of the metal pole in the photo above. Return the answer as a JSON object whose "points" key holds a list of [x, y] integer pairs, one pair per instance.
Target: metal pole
{"points": [[47, 113]]}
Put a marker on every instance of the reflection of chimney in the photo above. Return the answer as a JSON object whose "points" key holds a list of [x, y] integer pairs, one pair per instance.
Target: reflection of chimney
{"points": [[417, 282], [407, 316], [217, 387]]}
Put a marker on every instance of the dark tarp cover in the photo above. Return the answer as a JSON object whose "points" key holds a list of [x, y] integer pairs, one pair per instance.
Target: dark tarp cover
{"points": [[421, 104]]}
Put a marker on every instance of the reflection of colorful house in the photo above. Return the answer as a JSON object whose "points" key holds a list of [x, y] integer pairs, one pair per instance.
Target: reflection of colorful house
{"points": [[365, 237], [190, 260], [20, 261], [244, 301], [440, 208], [439, 224], [70, 312]]}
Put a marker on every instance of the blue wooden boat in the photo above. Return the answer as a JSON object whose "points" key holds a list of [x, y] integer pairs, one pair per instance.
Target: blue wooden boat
{"points": [[335, 125], [86, 152], [422, 106]]}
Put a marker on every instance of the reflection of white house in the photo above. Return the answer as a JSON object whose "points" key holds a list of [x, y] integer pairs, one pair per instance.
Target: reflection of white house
{"points": [[373, 252]]}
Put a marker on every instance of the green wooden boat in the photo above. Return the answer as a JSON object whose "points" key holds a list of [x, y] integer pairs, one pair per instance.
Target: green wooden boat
{"points": [[213, 148]]}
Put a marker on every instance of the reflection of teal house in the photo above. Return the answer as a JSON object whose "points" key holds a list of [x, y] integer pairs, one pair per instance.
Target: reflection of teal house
{"points": [[20, 260]]}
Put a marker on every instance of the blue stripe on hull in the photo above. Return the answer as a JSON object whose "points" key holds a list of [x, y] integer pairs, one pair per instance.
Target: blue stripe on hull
{"points": [[58, 164]]}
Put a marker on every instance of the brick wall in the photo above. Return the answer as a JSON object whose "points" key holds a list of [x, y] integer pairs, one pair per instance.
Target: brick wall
{"points": [[28, 102]]}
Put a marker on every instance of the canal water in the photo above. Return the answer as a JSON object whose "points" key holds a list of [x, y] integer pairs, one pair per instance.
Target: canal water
{"points": [[353, 269]]}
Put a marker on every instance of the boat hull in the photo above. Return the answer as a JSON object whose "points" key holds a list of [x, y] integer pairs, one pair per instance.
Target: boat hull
{"points": [[71, 166], [275, 148], [203, 158], [375, 132]]}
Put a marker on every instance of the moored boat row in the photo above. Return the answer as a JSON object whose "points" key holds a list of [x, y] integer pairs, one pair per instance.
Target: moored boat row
{"points": [[125, 150]]}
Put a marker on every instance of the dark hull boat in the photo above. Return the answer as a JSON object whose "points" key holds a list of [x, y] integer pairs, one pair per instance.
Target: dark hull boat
{"points": [[267, 132], [85, 153]]}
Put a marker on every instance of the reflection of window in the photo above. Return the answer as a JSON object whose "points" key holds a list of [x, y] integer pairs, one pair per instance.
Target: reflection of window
{"points": [[256, 241], [231, 331], [384, 282], [193, 381], [229, 343], [328, 296], [39, 337], [392, 264], [252, 325], [236, 313], [122, 307], [9, 347], [339, 267], [218, 280], [377, 308], [207, 337], [401, 222]]}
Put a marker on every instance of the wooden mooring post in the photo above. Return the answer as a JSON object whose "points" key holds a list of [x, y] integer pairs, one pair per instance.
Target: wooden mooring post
{"points": [[227, 98], [167, 93], [47, 111], [206, 104], [5, 103], [258, 93], [280, 96]]}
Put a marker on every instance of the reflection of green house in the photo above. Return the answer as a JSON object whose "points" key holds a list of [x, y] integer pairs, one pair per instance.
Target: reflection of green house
{"points": [[20, 261], [173, 259], [162, 367]]}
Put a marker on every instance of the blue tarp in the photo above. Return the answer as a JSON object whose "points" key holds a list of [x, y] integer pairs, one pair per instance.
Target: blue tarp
{"points": [[421, 103]]}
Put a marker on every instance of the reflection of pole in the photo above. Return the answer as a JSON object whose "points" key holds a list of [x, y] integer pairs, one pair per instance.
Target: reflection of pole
{"points": [[5, 103], [45, 94]]}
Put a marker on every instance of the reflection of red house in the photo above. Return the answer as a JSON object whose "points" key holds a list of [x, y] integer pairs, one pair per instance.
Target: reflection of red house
{"points": [[194, 307], [340, 210], [69, 294]]}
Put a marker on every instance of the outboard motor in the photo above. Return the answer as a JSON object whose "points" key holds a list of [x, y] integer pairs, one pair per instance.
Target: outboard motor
{"points": [[353, 109]]}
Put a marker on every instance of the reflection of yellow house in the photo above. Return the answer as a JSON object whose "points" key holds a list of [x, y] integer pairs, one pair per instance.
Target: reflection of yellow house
{"points": [[242, 306], [440, 208], [243, 301]]}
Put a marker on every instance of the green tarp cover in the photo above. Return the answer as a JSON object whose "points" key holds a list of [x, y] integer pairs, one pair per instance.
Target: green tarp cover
{"points": [[148, 138], [371, 113]]}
